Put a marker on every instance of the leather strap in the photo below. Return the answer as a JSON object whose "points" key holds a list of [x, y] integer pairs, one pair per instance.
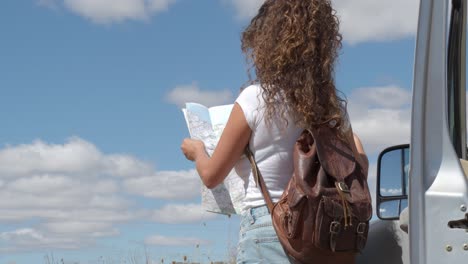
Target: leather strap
{"points": [[259, 179]]}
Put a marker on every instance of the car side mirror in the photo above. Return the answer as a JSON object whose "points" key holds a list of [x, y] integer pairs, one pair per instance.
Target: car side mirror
{"points": [[392, 182]]}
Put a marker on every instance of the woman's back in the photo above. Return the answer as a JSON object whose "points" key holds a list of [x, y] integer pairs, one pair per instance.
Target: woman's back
{"points": [[272, 145]]}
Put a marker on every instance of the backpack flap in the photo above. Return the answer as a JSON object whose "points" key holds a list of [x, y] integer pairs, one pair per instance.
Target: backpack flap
{"points": [[335, 155]]}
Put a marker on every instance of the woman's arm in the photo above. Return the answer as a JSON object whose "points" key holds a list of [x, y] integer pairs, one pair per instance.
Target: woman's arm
{"points": [[213, 170], [361, 152]]}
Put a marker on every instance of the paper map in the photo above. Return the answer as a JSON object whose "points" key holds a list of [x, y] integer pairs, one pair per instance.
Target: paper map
{"points": [[207, 124]]}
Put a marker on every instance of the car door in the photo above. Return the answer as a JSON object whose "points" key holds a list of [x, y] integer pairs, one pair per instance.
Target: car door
{"points": [[435, 182]]}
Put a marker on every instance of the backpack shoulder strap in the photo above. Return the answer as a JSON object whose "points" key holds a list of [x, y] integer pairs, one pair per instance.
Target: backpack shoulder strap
{"points": [[259, 179]]}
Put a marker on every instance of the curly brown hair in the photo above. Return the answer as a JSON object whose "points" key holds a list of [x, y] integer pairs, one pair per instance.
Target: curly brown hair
{"points": [[293, 46]]}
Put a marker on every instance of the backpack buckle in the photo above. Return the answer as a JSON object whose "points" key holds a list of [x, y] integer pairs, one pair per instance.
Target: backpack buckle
{"points": [[335, 227], [361, 228], [361, 239], [342, 187]]}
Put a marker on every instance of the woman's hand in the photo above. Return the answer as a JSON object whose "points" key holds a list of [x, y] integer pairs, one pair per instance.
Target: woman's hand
{"points": [[192, 148], [231, 145]]}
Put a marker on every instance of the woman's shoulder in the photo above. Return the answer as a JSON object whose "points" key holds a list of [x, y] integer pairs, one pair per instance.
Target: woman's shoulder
{"points": [[252, 89], [250, 93]]}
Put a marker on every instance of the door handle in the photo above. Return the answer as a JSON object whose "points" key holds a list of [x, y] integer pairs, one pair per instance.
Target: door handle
{"points": [[462, 223]]}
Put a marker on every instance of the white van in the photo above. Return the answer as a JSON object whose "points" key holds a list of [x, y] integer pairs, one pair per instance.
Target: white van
{"points": [[422, 208]]}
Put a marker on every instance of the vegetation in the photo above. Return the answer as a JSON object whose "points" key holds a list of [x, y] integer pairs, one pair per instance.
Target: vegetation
{"points": [[136, 258]]}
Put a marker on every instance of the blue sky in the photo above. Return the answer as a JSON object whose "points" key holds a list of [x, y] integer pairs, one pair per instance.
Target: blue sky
{"points": [[90, 164]]}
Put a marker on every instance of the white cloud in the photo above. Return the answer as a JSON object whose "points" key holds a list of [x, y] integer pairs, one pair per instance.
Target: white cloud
{"points": [[78, 227], [158, 240], [77, 157], [181, 213], [41, 184], [77, 193], [370, 20], [390, 192], [111, 11], [39, 157], [391, 96], [380, 116], [361, 20], [177, 185], [192, 93], [28, 238], [125, 166]]}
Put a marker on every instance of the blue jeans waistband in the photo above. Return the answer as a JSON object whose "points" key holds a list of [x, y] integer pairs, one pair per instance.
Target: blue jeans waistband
{"points": [[252, 214], [259, 211]]}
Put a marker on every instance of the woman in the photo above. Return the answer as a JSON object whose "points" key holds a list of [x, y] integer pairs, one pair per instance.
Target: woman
{"points": [[293, 46]]}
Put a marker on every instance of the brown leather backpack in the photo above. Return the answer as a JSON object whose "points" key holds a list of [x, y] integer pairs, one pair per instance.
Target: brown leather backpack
{"points": [[323, 215]]}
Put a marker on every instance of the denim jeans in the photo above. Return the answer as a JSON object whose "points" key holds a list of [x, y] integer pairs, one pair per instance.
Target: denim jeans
{"points": [[258, 242]]}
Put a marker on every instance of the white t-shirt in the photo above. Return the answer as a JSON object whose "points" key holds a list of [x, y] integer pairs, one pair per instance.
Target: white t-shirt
{"points": [[272, 145]]}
